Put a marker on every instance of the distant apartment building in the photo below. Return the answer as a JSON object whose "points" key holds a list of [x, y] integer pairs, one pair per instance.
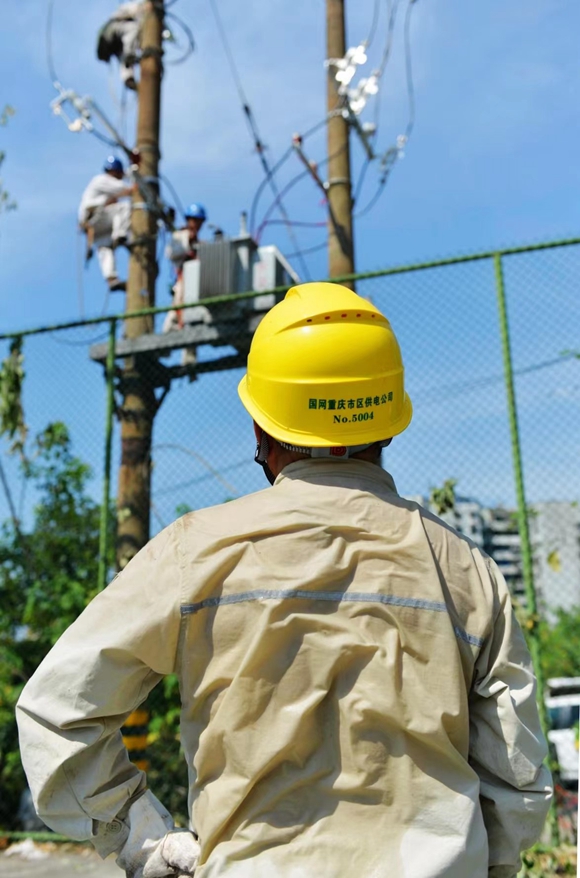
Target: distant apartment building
{"points": [[502, 543], [555, 539], [555, 536]]}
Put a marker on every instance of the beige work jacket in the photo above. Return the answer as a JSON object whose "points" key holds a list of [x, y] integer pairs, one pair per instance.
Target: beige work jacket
{"points": [[358, 699]]}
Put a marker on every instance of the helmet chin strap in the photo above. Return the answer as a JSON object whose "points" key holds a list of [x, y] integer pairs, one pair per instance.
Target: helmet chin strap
{"points": [[263, 449], [261, 457]]}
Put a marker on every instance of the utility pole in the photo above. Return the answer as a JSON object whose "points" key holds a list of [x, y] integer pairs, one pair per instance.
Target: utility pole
{"points": [[139, 403], [340, 233]]}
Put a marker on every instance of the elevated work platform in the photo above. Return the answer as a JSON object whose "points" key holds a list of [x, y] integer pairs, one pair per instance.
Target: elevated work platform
{"points": [[236, 333]]}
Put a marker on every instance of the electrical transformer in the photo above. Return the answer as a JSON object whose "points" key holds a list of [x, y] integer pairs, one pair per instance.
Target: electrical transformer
{"points": [[233, 265]]}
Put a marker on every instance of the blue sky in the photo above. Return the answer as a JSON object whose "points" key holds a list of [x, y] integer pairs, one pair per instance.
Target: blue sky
{"points": [[492, 161]]}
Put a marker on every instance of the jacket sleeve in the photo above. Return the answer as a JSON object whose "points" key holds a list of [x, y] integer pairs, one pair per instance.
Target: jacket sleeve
{"points": [[71, 710], [507, 746]]}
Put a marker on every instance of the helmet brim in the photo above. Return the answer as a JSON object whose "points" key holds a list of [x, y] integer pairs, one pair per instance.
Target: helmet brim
{"points": [[311, 440]]}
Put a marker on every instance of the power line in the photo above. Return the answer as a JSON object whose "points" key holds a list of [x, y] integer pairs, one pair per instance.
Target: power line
{"points": [[393, 8], [198, 479], [255, 133], [165, 180], [301, 224], [289, 186], [360, 181], [315, 249], [262, 186], [450, 391], [391, 156], [392, 15], [78, 343], [409, 68], [266, 221], [188, 33], [173, 446], [374, 23], [49, 55], [373, 200], [276, 168]]}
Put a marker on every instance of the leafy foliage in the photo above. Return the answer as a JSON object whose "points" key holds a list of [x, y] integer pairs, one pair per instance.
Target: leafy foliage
{"points": [[560, 645], [443, 499], [545, 862], [167, 774], [47, 577], [11, 412], [6, 203]]}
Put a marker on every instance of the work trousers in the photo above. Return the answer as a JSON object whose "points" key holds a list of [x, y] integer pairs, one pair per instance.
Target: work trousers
{"points": [[110, 223], [129, 31]]}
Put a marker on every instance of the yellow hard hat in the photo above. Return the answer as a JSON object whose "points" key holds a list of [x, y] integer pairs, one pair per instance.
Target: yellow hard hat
{"points": [[325, 370]]}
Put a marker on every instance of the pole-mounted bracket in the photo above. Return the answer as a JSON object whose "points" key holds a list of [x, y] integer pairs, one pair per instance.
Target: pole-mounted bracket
{"points": [[152, 52]]}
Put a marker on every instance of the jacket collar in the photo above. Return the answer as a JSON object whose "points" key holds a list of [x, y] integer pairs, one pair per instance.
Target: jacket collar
{"points": [[345, 473]]}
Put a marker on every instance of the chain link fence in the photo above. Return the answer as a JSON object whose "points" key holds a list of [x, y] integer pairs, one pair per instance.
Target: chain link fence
{"points": [[491, 346]]}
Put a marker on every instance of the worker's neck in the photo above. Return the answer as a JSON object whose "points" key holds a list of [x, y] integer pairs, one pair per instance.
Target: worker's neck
{"points": [[280, 457]]}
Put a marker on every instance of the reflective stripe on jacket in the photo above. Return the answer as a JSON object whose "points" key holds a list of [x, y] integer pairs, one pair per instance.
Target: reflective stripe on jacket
{"points": [[357, 696]]}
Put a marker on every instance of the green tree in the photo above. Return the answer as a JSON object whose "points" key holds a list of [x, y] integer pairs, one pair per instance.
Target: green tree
{"points": [[443, 499], [47, 576], [560, 645], [6, 202]]}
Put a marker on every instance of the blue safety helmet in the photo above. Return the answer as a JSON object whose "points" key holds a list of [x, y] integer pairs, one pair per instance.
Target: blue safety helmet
{"points": [[113, 164], [195, 211]]}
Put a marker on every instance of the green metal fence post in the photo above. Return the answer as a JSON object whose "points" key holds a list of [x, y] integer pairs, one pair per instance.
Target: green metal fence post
{"points": [[110, 405], [523, 522]]}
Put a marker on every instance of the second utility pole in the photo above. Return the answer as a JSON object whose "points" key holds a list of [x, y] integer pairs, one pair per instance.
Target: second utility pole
{"points": [[340, 232], [139, 403]]}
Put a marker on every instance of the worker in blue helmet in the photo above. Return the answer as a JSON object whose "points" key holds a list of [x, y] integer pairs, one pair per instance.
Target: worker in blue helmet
{"points": [[105, 216], [182, 247]]}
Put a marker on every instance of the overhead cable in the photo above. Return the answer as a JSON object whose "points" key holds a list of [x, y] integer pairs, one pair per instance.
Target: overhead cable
{"points": [[374, 24], [309, 250], [392, 16], [276, 203], [174, 195], [195, 481], [262, 186], [252, 125], [188, 33], [360, 181], [393, 8], [304, 224], [308, 172], [409, 68], [450, 391], [49, 54], [276, 168], [174, 446], [395, 152]]}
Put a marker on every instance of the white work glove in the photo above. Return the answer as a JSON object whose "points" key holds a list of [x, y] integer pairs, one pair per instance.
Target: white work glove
{"points": [[154, 848]]}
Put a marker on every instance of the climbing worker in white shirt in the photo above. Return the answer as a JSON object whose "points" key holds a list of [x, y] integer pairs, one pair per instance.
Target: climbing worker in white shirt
{"points": [[181, 248], [120, 38], [105, 217], [357, 697]]}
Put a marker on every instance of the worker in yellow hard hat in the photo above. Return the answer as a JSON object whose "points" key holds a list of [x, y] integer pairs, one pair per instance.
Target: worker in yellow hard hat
{"points": [[325, 377], [357, 697]]}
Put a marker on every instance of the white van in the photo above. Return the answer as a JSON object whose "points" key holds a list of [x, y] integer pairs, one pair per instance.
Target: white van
{"points": [[563, 703]]}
